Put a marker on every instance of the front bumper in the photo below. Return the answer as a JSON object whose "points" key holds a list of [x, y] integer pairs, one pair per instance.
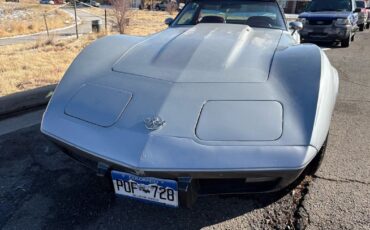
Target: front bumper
{"points": [[195, 183], [192, 184], [329, 33], [199, 168]]}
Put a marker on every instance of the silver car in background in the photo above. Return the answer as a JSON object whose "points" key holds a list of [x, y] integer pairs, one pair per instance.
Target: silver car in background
{"points": [[223, 101]]}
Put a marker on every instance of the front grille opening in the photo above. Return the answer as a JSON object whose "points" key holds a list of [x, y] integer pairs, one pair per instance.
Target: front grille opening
{"points": [[239, 185], [320, 22]]}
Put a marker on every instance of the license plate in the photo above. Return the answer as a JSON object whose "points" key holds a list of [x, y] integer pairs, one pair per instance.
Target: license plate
{"points": [[160, 191], [318, 30], [318, 35]]}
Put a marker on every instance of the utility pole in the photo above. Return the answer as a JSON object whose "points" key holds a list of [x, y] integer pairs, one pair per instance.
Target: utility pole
{"points": [[74, 7]]}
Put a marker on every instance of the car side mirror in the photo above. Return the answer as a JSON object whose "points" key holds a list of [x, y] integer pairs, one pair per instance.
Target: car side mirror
{"points": [[168, 21], [295, 26], [357, 10]]}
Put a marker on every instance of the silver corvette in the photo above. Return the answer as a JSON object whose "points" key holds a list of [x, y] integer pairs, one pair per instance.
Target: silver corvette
{"points": [[223, 101]]}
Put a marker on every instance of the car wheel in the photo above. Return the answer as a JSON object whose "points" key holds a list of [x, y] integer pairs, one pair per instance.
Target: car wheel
{"points": [[347, 41], [361, 27], [157, 8], [315, 164], [367, 25]]}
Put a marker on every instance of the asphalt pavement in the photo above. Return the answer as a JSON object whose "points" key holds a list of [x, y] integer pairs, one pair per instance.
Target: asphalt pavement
{"points": [[40, 187]]}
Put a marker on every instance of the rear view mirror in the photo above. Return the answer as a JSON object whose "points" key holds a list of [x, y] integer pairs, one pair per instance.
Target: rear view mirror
{"points": [[295, 26], [168, 21]]}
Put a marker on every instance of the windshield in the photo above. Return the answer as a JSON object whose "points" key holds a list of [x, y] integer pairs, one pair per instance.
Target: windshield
{"points": [[360, 4], [330, 5], [253, 13]]}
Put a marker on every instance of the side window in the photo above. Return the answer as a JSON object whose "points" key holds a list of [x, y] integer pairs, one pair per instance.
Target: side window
{"points": [[187, 17], [206, 12]]}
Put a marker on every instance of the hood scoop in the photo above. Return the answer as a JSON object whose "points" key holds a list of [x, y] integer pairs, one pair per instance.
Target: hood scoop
{"points": [[204, 53]]}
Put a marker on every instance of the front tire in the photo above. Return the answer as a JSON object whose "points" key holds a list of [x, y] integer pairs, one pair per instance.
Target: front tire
{"points": [[346, 42], [368, 25], [315, 164]]}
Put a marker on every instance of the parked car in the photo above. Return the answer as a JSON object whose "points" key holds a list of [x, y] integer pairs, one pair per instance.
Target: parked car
{"points": [[223, 101], [161, 5], [181, 6], [95, 3], [330, 21], [50, 2], [362, 15]]}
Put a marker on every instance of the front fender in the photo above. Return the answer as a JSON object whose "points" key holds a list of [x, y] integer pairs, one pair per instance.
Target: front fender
{"points": [[329, 86], [310, 83], [91, 63]]}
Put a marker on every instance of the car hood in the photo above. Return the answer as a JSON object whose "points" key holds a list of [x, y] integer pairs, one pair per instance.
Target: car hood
{"points": [[271, 103], [203, 53], [325, 15]]}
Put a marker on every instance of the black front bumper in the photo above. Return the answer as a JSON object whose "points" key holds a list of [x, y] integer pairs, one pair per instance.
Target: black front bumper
{"points": [[192, 184], [325, 33]]}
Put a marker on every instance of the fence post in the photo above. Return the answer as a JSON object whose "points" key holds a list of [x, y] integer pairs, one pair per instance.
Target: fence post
{"points": [[105, 20], [46, 25], [74, 7]]}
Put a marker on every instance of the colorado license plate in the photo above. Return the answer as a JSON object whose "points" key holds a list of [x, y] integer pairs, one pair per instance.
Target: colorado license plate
{"points": [[146, 188]]}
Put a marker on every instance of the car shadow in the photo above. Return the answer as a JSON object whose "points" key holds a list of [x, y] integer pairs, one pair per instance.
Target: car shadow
{"points": [[44, 188], [327, 45]]}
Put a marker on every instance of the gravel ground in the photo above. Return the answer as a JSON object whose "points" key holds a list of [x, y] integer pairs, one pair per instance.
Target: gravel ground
{"points": [[42, 188]]}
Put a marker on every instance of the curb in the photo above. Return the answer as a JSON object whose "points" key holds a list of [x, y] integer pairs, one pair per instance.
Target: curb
{"points": [[24, 101]]}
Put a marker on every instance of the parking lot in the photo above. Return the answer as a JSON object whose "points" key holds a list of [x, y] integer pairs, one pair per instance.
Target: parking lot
{"points": [[40, 187]]}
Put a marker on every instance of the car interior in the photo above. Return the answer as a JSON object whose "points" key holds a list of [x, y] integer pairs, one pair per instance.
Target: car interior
{"points": [[254, 21], [251, 13]]}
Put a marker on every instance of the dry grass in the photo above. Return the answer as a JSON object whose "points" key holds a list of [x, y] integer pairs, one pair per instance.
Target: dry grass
{"points": [[141, 22], [144, 22], [26, 18], [31, 65]]}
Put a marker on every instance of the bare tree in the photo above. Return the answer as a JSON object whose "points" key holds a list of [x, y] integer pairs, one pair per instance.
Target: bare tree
{"points": [[171, 7], [120, 9]]}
